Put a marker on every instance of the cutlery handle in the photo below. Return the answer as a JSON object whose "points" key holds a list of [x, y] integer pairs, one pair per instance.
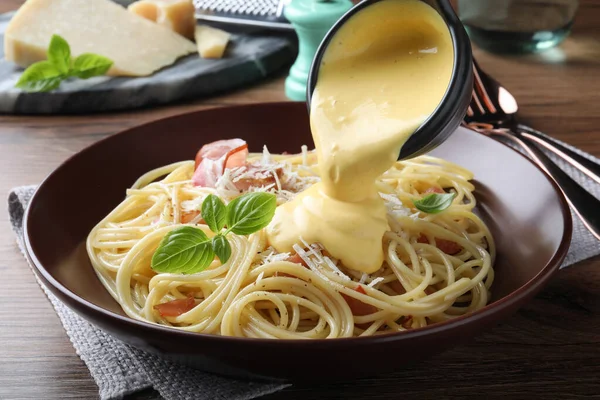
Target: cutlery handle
{"points": [[586, 166], [585, 205]]}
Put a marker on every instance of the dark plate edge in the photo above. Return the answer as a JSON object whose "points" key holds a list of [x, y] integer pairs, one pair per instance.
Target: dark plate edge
{"points": [[532, 287]]}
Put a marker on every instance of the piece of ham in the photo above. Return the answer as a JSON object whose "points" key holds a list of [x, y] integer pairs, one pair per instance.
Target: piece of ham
{"points": [[447, 246], [406, 322], [296, 259], [189, 216], [434, 189], [213, 158], [397, 287], [257, 175], [175, 308], [358, 307]]}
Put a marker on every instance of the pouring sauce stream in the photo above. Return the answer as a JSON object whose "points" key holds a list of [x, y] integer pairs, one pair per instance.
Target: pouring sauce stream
{"points": [[384, 72]]}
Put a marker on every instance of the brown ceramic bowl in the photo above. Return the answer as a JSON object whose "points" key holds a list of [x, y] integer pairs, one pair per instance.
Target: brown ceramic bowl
{"points": [[524, 209]]}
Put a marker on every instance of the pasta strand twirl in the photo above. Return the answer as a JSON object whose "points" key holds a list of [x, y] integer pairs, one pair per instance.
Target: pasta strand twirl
{"points": [[260, 293]]}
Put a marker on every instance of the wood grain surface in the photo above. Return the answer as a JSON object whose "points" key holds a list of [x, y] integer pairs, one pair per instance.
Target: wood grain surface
{"points": [[549, 350]]}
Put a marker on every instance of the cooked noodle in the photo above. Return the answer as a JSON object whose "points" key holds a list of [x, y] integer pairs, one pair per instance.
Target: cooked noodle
{"points": [[257, 293]]}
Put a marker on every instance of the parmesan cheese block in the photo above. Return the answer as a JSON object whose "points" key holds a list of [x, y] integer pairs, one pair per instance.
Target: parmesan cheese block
{"points": [[211, 41], [177, 15], [137, 46]]}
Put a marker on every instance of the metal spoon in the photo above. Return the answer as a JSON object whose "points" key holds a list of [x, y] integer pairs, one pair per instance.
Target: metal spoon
{"points": [[452, 107]]}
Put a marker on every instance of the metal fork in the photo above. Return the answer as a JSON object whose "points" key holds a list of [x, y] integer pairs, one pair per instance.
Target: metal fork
{"points": [[492, 112]]}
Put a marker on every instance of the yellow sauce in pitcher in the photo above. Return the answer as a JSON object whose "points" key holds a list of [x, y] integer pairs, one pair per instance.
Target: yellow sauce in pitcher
{"points": [[384, 72]]}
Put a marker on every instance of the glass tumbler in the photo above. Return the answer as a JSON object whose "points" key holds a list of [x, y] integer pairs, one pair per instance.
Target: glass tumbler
{"points": [[517, 26]]}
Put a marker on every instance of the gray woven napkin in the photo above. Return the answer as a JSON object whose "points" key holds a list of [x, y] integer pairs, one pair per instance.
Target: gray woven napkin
{"points": [[119, 369]]}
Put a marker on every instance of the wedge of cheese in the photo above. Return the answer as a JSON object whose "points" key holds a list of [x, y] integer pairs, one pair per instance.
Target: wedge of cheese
{"points": [[211, 41], [137, 46], [177, 15]]}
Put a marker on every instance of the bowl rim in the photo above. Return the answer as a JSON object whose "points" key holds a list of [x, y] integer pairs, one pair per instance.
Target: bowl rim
{"points": [[530, 287]]}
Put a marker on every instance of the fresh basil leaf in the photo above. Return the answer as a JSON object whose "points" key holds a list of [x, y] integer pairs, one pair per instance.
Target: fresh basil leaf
{"points": [[250, 212], [222, 248], [59, 54], [184, 250], [214, 213], [89, 65], [435, 202], [42, 76]]}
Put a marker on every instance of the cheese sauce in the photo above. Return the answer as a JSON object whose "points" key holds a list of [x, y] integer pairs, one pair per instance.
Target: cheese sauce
{"points": [[384, 72]]}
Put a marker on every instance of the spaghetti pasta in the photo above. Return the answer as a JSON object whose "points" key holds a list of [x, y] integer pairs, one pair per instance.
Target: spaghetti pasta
{"points": [[437, 266]]}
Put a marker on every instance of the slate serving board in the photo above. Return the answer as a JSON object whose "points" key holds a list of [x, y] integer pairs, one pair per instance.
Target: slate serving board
{"points": [[249, 58]]}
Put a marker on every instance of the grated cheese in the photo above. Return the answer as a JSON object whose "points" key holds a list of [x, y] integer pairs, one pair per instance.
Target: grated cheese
{"points": [[415, 216], [245, 172], [276, 180], [363, 278], [285, 195], [315, 250], [336, 269], [304, 155], [306, 258], [192, 205], [269, 188], [266, 156], [225, 187], [394, 206], [240, 173], [288, 182], [270, 255], [375, 282], [311, 264]]}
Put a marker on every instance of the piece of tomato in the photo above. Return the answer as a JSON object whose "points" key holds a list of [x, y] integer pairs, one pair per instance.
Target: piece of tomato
{"points": [[175, 308]]}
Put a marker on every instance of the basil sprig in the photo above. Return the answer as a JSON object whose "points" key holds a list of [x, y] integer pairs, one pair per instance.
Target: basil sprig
{"points": [[45, 76], [188, 250], [435, 202]]}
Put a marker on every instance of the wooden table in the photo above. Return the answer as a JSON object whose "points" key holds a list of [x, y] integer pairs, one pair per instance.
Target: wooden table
{"points": [[550, 349]]}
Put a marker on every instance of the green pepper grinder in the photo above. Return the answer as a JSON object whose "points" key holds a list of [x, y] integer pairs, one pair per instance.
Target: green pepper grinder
{"points": [[311, 20]]}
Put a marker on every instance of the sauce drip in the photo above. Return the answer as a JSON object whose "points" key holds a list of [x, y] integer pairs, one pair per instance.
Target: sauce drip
{"points": [[384, 72]]}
